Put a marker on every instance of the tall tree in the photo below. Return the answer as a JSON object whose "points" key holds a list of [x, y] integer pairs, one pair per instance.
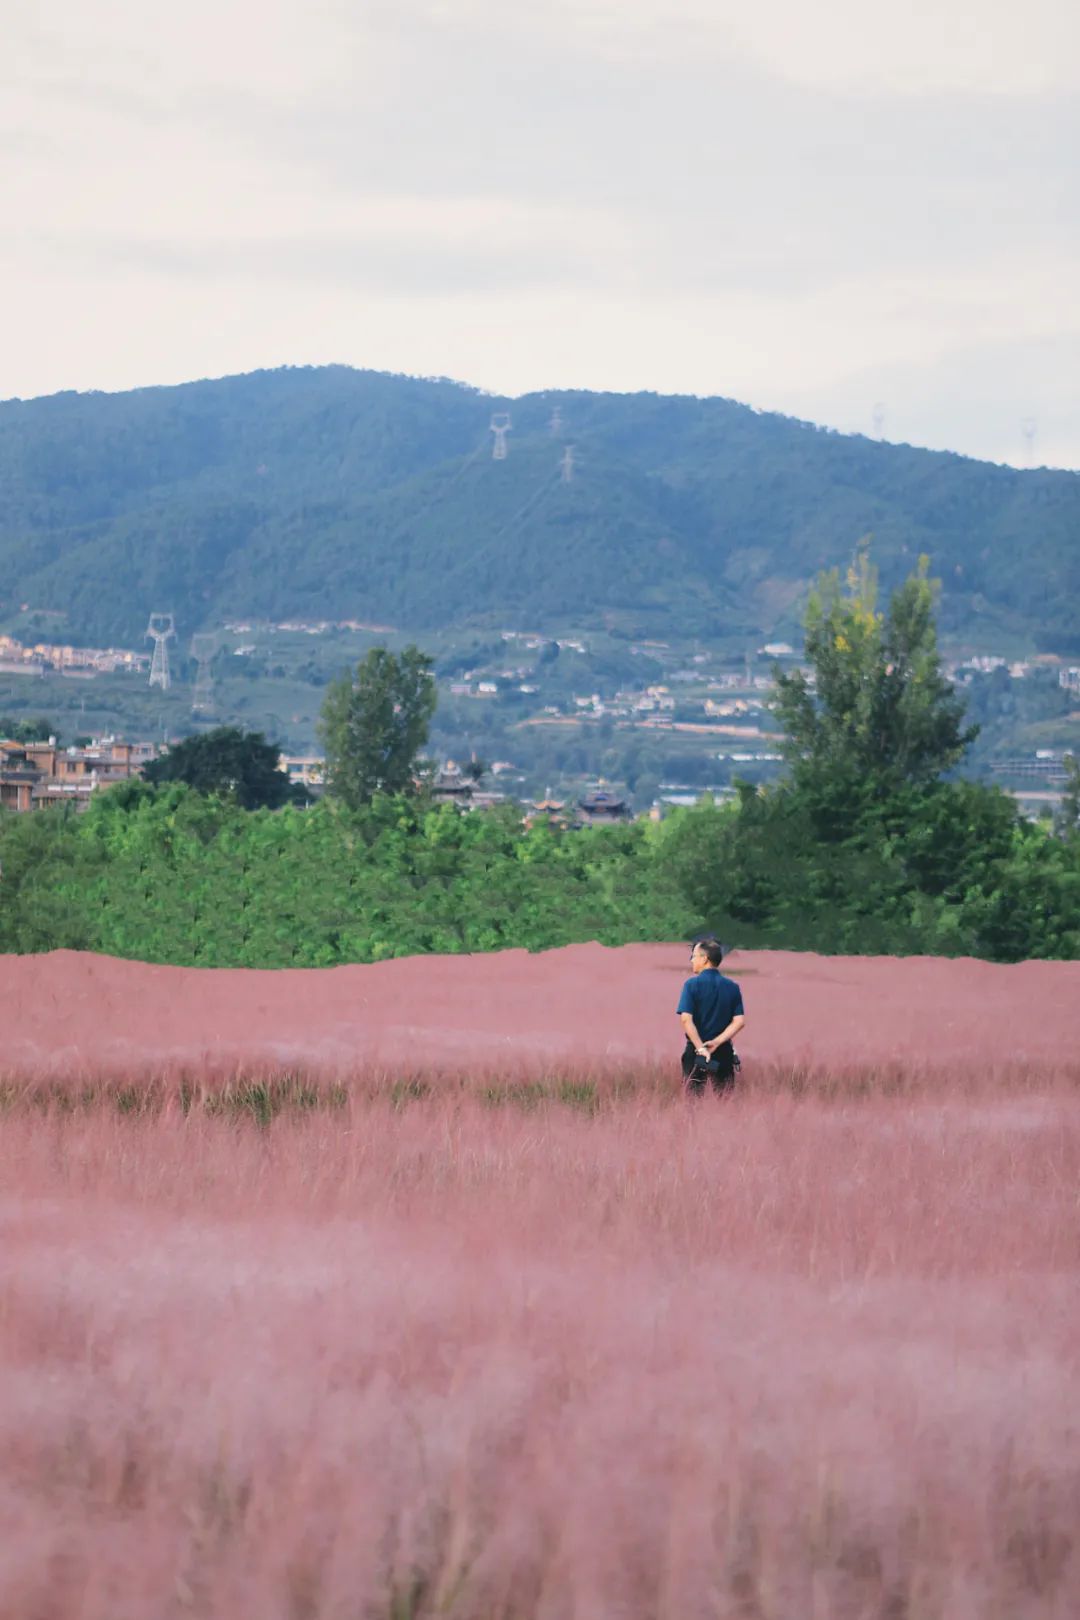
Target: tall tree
{"points": [[877, 714], [236, 764], [374, 722]]}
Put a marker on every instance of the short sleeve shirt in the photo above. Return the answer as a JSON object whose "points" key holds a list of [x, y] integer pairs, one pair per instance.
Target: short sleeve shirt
{"points": [[713, 1000]]}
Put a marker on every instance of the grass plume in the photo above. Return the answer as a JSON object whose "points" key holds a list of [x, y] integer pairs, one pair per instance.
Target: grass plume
{"points": [[436, 1345]]}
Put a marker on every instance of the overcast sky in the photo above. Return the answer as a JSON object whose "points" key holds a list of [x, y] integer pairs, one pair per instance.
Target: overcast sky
{"points": [[866, 216]]}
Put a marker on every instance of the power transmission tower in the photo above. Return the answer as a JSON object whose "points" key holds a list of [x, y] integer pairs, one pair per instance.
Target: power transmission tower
{"points": [[555, 422], [878, 420], [1029, 427], [203, 648], [160, 630], [500, 426], [567, 465]]}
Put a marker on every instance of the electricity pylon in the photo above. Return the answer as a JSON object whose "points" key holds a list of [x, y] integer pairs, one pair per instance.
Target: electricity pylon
{"points": [[203, 648], [160, 630], [500, 426]]}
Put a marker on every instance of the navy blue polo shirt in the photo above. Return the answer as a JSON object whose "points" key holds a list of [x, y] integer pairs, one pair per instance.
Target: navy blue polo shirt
{"points": [[713, 1001]]}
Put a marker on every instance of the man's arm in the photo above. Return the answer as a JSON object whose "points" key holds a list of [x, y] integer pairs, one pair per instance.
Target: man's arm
{"points": [[728, 1034], [687, 1022]]}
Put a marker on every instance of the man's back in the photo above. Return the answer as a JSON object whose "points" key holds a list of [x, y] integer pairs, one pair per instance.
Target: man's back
{"points": [[713, 1000]]}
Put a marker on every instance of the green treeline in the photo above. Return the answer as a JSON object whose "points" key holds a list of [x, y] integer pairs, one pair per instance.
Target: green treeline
{"points": [[169, 875]]}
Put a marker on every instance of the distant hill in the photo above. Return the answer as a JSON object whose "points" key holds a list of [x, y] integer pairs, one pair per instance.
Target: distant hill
{"points": [[340, 493]]}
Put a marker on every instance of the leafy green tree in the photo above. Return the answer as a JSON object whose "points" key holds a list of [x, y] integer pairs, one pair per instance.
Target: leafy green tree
{"points": [[374, 722], [867, 845], [237, 765], [878, 714]]}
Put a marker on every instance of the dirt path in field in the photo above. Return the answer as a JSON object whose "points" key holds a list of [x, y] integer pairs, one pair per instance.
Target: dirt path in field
{"points": [[68, 1012]]}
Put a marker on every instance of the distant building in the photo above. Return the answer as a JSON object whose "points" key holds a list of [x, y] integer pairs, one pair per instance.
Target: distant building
{"points": [[35, 775], [450, 785], [1045, 766], [732, 706], [485, 799], [18, 779], [601, 809], [303, 770], [983, 664], [549, 810], [661, 698], [18, 659], [19, 666]]}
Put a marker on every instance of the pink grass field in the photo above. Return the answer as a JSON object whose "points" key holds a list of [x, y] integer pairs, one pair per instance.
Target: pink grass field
{"points": [[805, 1353], [71, 1015]]}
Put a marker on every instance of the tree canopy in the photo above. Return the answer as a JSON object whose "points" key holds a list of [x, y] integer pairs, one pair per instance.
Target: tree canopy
{"points": [[867, 844], [876, 712], [39, 730], [239, 765], [374, 723]]}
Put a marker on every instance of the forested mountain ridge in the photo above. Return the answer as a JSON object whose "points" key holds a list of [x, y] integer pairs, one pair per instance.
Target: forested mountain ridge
{"points": [[328, 492]]}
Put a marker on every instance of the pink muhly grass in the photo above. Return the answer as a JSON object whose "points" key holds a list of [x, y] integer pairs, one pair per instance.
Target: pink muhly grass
{"points": [[229, 1084], [414, 1353]]}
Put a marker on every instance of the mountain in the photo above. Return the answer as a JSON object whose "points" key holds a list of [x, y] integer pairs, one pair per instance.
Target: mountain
{"points": [[337, 493]]}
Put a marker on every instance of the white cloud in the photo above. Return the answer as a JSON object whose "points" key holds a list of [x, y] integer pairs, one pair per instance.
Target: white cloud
{"points": [[922, 46], [152, 54], [793, 205]]}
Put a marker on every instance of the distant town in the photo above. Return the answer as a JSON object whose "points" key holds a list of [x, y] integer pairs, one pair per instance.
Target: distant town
{"points": [[725, 710], [17, 659]]}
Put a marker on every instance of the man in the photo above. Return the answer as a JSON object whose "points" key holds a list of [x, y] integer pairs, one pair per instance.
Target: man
{"points": [[711, 1013]]}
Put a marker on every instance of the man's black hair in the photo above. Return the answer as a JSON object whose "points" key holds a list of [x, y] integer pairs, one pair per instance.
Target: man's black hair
{"points": [[712, 948]]}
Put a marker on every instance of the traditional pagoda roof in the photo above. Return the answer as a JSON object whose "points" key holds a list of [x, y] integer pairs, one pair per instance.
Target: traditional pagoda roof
{"points": [[600, 802]]}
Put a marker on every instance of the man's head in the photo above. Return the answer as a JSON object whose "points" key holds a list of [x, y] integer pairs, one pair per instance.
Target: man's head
{"points": [[706, 953]]}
